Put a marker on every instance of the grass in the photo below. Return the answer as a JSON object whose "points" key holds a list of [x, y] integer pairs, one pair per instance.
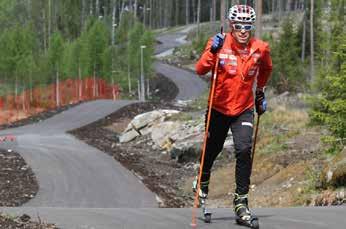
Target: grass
{"points": [[278, 126], [200, 103]]}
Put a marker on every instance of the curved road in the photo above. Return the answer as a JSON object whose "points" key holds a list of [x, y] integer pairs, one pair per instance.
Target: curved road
{"points": [[81, 187], [71, 173]]}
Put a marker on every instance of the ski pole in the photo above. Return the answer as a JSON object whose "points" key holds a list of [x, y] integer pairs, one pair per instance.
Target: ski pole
{"points": [[255, 140], [211, 97]]}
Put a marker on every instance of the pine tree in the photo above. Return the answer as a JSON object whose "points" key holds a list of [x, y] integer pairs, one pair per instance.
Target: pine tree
{"points": [[288, 72]]}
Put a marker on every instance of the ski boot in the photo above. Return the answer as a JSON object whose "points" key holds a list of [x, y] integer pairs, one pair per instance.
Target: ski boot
{"points": [[202, 199], [242, 212]]}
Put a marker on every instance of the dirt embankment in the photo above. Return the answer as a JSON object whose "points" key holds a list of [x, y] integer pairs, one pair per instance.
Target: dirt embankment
{"points": [[18, 183], [23, 222]]}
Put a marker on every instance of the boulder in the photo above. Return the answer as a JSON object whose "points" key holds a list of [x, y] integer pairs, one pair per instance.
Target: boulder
{"points": [[142, 124], [183, 140], [128, 136], [161, 133], [334, 172]]}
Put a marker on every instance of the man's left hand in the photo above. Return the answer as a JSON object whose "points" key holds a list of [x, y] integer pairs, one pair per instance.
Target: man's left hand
{"points": [[260, 102]]}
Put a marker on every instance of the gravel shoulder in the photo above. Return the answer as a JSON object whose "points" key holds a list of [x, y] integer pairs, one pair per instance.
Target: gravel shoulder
{"points": [[18, 183]]}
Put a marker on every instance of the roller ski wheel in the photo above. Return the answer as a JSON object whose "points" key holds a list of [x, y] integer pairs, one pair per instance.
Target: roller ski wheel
{"points": [[202, 203], [251, 223], [202, 199], [207, 217]]}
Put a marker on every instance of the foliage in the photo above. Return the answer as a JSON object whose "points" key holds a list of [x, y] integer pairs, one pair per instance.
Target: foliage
{"points": [[42, 38], [329, 101], [288, 68]]}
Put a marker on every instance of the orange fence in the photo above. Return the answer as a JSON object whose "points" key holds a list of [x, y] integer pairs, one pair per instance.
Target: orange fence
{"points": [[33, 101]]}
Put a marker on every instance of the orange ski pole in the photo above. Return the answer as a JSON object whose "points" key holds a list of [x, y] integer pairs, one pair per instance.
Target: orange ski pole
{"points": [[211, 97]]}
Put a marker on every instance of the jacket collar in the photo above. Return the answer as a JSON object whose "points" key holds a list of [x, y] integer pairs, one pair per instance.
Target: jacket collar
{"points": [[252, 45]]}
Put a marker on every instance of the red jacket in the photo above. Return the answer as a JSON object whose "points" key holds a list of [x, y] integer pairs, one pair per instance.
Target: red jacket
{"points": [[236, 75]]}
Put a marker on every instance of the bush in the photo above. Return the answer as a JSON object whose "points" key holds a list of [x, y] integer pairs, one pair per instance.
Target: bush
{"points": [[329, 105]]}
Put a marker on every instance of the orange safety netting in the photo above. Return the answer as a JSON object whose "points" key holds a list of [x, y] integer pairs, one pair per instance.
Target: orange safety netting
{"points": [[31, 102]]}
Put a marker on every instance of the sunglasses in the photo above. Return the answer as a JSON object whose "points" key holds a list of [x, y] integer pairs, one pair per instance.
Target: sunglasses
{"points": [[246, 27]]}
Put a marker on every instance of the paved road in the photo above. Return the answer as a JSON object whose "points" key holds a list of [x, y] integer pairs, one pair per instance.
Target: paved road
{"points": [[154, 218], [189, 85], [71, 173]]}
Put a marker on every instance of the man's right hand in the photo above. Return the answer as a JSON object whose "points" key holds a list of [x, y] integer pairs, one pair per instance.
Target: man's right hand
{"points": [[217, 42]]}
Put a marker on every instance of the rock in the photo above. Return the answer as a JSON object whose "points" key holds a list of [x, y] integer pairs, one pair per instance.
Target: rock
{"points": [[149, 118], [334, 173], [24, 218], [182, 103], [143, 120], [161, 133], [146, 130], [128, 136], [185, 151], [328, 198], [142, 124], [183, 140]]}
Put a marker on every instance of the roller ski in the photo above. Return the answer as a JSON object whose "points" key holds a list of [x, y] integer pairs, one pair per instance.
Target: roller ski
{"points": [[202, 199], [242, 213]]}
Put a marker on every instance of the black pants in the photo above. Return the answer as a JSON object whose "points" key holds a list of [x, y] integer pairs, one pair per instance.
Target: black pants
{"points": [[242, 129]]}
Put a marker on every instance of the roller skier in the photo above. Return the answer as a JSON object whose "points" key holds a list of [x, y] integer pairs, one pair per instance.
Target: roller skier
{"points": [[238, 61]]}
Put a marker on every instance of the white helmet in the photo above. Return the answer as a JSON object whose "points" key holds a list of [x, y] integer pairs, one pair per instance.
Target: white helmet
{"points": [[242, 13]]}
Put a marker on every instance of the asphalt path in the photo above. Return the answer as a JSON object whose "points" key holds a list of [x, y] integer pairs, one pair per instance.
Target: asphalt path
{"points": [[71, 173], [81, 187], [155, 218], [188, 83]]}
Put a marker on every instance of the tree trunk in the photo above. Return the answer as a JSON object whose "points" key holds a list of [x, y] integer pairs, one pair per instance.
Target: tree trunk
{"points": [[214, 10], [194, 11], [31, 87], [222, 12], [198, 16], [259, 8], [113, 22], [29, 9], [57, 89], [82, 15], [129, 77], [150, 14], [97, 8], [312, 72], [289, 5], [279, 6], [176, 19], [273, 7], [23, 99], [144, 14], [45, 40], [91, 8], [304, 38], [187, 12], [130, 5], [94, 81], [135, 8], [49, 20], [79, 83]]}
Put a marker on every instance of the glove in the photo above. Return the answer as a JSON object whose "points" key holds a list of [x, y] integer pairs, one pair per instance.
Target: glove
{"points": [[260, 102], [217, 42]]}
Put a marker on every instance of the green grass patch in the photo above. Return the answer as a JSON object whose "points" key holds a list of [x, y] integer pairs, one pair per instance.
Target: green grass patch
{"points": [[278, 126]]}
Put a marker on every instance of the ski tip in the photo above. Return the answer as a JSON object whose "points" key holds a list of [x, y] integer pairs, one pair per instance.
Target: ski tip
{"points": [[193, 225]]}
